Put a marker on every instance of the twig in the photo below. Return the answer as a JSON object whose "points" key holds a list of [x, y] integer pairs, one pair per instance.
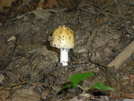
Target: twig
{"points": [[123, 56]]}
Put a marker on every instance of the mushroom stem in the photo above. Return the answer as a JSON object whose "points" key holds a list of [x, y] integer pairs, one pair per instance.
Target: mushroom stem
{"points": [[64, 56]]}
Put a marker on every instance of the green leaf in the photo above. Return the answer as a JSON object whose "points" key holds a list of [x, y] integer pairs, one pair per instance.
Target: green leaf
{"points": [[67, 86], [77, 78], [101, 86]]}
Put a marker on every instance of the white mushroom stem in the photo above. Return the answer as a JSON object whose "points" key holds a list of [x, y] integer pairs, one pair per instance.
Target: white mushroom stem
{"points": [[64, 56]]}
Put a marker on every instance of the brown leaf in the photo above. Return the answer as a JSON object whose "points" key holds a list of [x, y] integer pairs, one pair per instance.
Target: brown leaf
{"points": [[1, 78], [51, 4], [5, 3], [26, 95], [4, 94], [131, 96], [45, 94]]}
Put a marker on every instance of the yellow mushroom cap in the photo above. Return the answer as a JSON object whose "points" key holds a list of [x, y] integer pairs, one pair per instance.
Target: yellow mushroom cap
{"points": [[62, 37]]}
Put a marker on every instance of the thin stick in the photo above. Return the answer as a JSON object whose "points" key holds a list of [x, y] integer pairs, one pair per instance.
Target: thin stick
{"points": [[123, 56]]}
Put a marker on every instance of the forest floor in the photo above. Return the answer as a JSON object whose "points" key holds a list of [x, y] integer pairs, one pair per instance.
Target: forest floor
{"points": [[29, 66]]}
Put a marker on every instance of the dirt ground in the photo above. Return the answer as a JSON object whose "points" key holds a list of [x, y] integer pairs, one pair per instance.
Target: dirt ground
{"points": [[30, 68]]}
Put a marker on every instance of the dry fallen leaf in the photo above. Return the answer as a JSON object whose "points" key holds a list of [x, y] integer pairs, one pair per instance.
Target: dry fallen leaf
{"points": [[5, 3], [1, 78], [45, 94], [26, 95], [5, 93], [131, 96], [51, 4], [5, 100], [41, 4]]}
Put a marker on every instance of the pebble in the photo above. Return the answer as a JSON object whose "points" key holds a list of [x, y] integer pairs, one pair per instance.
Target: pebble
{"points": [[128, 99]]}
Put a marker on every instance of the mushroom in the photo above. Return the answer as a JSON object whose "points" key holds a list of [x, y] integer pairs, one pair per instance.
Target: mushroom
{"points": [[63, 39]]}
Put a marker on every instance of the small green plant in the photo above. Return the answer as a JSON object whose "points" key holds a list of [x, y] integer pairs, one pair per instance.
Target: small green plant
{"points": [[77, 78]]}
